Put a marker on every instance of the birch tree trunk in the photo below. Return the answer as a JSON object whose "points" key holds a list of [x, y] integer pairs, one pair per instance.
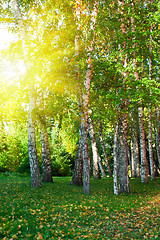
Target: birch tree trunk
{"points": [[151, 161], [46, 156], [152, 169], [157, 137], [96, 173], [136, 153], [34, 165], [144, 164], [104, 150], [78, 167], [115, 169], [85, 97], [133, 173], [123, 148], [123, 156], [86, 165], [101, 167]]}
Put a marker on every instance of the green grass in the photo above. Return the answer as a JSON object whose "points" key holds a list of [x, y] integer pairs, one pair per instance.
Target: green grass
{"points": [[61, 211]]}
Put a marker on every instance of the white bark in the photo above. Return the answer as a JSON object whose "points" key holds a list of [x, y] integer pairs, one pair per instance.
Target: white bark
{"points": [[96, 173], [104, 150], [144, 164], [46, 157], [152, 169], [133, 173], [136, 153], [101, 167], [157, 137], [151, 161], [34, 166], [85, 99], [86, 165], [78, 167], [115, 170], [123, 156]]}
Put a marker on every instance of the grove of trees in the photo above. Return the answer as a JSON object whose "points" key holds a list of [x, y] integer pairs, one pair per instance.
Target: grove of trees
{"points": [[80, 90]]}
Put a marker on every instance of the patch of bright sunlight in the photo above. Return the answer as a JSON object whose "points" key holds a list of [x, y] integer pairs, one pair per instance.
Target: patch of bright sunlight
{"points": [[9, 71], [6, 37]]}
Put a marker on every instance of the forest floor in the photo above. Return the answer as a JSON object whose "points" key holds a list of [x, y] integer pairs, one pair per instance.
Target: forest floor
{"points": [[61, 211]]}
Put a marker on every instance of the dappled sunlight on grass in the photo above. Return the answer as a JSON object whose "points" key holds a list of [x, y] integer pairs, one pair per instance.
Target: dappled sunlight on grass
{"points": [[62, 211]]}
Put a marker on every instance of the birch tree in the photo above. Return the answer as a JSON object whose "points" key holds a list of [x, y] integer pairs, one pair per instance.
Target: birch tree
{"points": [[115, 168], [78, 167], [34, 165], [123, 149], [96, 173], [144, 164], [85, 101], [136, 152], [46, 156], [104, 150]]}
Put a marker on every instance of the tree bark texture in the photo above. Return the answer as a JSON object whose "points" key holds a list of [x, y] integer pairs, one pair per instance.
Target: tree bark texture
{"points": [[46, 157], [34, 165], [123, 156], [144, 163], [136, 153], [78, 167], [133, 173], [96, 173], [151, 160], [115, 169], [104, 150], [157, 137], [86, 165], [85, 99], [101, 167]]}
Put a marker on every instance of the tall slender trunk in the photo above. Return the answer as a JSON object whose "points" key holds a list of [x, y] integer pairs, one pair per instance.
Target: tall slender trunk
{"points": [[86, 165], [104, 150], [123, 148], [85, 98], [136, 153], [46, 157], [83, 109], [133, 173], [152, 169], [101, 167], [144, 164], [96, 173], [123, 156], [34, 165], [78, 167], [157, 137], [115, 169]]}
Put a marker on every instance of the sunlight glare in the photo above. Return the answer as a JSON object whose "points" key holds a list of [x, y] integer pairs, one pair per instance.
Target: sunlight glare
{"points": [[9, 71], [6, 37]]}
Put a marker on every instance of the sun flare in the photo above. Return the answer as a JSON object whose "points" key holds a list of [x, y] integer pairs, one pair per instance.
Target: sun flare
{"points": [[6, 37], [9, 70]]}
